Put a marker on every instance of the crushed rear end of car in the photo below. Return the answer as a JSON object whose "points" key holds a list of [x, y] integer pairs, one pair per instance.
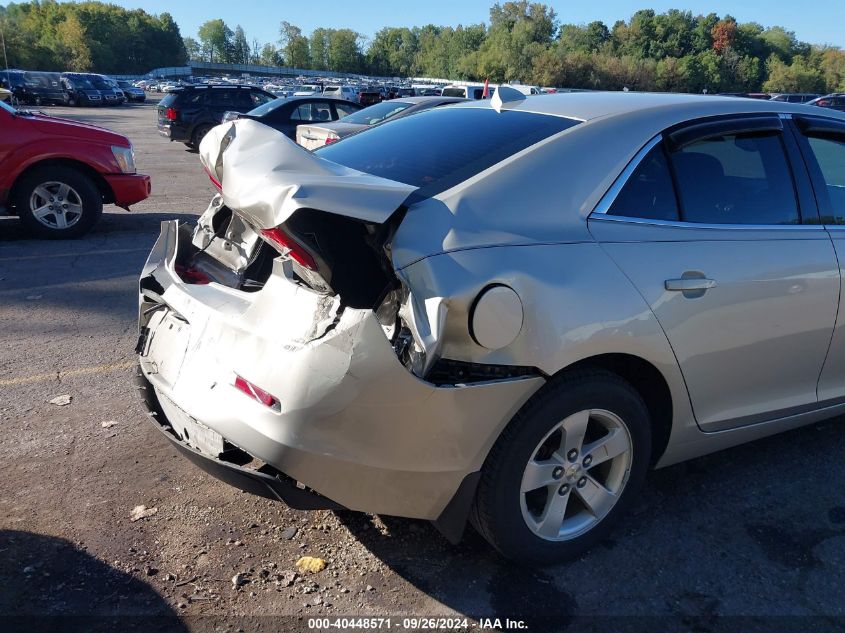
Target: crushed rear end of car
{"points": [[281, 351]]}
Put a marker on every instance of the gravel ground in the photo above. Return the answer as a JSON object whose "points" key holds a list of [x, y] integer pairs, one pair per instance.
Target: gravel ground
{"points": [[751, 538]]}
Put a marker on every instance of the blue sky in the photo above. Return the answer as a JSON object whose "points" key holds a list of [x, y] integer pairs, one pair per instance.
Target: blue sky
{"points": [[816, 21]]}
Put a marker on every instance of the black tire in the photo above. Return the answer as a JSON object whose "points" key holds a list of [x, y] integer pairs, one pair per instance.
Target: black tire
{"points": [[497, 512], [91, 202], [199, 133]]}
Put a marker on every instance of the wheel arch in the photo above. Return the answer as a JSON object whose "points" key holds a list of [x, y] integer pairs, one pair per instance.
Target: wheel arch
{"points": [[98, 180], [648, 381]]}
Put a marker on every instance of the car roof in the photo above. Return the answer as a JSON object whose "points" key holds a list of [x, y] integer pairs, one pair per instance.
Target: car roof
{"points": [[671, 107], [415, 100]]}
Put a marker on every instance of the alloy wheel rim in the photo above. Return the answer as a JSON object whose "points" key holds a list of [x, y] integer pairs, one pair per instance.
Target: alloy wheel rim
{"points": [[56, 205], [576, 475]]}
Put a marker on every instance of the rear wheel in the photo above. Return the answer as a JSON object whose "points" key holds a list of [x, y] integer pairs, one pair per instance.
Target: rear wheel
{"points": [[565, 470], [57, 202], [198, 135]]}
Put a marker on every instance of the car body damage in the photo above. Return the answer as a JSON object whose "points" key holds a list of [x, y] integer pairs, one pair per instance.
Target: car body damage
{"points": [[284, 353], [267, 177]]}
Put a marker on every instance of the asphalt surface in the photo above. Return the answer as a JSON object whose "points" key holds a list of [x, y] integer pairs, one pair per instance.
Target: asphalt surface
{"points": [[750, 538]]}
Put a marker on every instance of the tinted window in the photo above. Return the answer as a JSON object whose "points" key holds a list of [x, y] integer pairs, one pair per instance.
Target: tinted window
{"points": [[377, 113], [268, 107], [259, 98], [345, 109], [316, 112], [454, 92], [649, 192], [736, 179], [830, 155], [441, 147], [230, 99]]}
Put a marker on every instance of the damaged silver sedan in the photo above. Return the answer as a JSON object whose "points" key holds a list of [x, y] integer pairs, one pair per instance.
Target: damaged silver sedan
{"points": [[501, 311]]}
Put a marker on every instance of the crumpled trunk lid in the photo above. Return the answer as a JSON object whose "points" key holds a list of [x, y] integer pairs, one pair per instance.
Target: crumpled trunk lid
{"points": [[266, 177]]}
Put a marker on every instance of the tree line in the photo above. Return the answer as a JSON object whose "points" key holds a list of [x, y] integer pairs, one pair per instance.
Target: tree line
{"points": [[525, 41], [88, 36]]}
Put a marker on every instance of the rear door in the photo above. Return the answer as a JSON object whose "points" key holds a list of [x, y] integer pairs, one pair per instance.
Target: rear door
{"points": [[717, 228], [822, 142]]}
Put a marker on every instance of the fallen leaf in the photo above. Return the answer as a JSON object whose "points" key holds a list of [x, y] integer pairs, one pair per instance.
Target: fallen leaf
{"points": [[309, 563], [62, 400], [141, 512]]}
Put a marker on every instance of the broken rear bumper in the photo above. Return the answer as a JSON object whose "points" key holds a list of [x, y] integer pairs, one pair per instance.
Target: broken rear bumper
{"points": [[266, 482], [353, 424]]}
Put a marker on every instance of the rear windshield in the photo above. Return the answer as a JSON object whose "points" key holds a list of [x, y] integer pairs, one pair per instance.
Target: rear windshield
{"points": [[376, 113], [439, 148], [168, 100], [454, 92], [268, 107]]}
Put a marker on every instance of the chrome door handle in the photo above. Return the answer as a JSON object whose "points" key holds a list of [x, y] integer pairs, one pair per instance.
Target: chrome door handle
{"points": [[693, 283]]}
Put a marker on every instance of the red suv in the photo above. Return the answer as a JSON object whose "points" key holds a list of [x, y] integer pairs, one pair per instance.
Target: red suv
{"points": [[55, 174]]}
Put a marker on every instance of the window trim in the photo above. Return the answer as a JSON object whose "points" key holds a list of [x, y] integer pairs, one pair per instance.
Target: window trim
{"points": [[803, 125], [808, 212]]}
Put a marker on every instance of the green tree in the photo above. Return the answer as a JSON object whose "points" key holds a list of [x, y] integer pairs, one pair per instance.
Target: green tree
{"points": [[216, 40], [345, 54], [193, 49], [240, 47], [294, 46]]}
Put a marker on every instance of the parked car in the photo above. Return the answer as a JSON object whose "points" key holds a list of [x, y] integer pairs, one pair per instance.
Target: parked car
{"points": [[414, 322], [286, 114], [110, 92], [132, 93], [834, 101], [32, 87], [369, 96], [795, 97], [187, 113], [79, 90], [314, 135], [349, 93], [306, 90], [55, 174], [467, 92]]}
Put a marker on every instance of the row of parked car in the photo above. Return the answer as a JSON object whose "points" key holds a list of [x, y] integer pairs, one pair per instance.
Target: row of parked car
{"points": [[30, 87]]}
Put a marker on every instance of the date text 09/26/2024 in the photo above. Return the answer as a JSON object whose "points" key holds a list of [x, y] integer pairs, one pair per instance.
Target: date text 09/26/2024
{"points": [[415, 623]]}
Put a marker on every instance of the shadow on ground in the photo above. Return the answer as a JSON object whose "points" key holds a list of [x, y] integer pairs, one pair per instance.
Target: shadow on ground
{"points": [[50, 584], [719, 535], [11, 230]]}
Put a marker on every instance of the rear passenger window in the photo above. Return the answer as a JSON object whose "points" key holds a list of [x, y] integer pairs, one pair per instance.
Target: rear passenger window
{"points": [[736, 179], [648, 193], [316, 112], [830, 155]]}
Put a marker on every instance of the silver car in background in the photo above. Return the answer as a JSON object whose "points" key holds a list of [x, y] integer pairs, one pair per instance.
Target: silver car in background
{"points": [[504, 311]]}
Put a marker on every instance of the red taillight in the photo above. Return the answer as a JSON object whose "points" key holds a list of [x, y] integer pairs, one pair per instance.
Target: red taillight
{"points": [[331, 139], [214, 180], [290, 247], [256, 393], [171, 114], [823, 103], [192, 275]]}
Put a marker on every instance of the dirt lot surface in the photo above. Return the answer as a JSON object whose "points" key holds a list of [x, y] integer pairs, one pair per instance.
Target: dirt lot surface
{"points": [[756, 533]]}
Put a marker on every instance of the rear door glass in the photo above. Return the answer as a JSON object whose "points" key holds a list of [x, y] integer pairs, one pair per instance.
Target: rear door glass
{"points": [[736, 179], [829, 152], [316, 112], [441, 147]]}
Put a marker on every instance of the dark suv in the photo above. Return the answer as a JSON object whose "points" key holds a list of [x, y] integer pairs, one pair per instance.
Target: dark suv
{"points": [[186, 114], [32, 87]]}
